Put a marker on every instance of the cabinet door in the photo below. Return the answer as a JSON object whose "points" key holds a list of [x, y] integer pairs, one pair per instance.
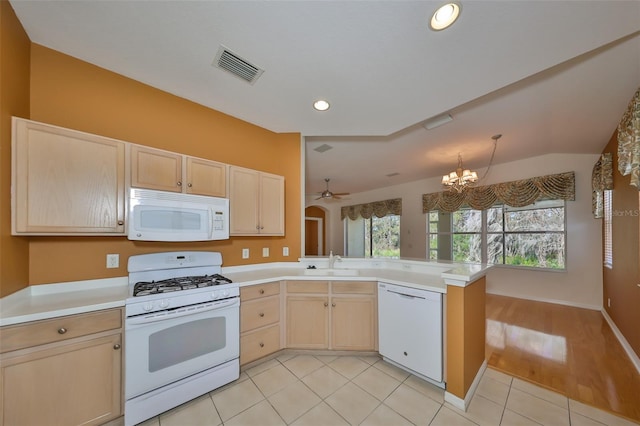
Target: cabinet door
{"points": [[66, 182], [243, 201], [206, 177], [307, 322], [271, 204], [70, 384], [156, 169], [353, 323]]}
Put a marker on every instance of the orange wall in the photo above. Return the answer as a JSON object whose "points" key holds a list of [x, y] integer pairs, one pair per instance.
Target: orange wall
{"points": [[14, 100], [465, 335], [315, 211], [71, 93], [620, 283]]}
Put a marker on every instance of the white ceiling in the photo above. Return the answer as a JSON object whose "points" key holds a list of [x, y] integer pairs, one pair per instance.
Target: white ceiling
{"points": [[551, 76]]}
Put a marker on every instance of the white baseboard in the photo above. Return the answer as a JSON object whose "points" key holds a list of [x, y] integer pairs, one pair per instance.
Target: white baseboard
{"points": [[627, 347], [460, 403], [555, 301]]}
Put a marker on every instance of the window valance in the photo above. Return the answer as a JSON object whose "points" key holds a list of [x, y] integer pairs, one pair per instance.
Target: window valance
{"points": [[601, 180], [378, 208], [629, 141], [517, 193]]}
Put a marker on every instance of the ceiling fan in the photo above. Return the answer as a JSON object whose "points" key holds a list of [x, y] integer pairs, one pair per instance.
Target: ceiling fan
{"points": [[330, 195]]}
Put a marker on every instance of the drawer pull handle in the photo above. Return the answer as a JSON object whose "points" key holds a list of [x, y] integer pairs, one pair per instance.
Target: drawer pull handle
{"points": [[261, 314], [62, 330], [261, 345], [261, 291], [116, 346]]}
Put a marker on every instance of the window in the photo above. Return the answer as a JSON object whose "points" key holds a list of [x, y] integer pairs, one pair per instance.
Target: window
{"points": [[608, 232], [531, 236], [373, 237]]}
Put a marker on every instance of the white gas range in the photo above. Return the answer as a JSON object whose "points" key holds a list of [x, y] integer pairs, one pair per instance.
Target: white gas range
{"points": [[181, 331]]}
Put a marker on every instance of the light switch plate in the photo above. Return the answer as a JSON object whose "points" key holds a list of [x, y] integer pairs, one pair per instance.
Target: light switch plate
{"points": [[113, 261], [285, 251], [265, 252], [245, 253]]}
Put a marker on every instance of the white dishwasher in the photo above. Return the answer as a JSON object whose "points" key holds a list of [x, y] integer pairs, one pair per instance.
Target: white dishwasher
{"points": [[410, 329]]}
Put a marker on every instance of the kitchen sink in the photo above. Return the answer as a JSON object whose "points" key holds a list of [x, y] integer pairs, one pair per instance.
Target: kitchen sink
{"points": [[333, 272]]}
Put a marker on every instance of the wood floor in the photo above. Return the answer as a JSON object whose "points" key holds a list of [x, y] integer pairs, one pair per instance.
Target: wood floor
{"points": [[570, 350]]}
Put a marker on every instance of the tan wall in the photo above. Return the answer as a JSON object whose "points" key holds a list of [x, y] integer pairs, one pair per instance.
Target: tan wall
{"points": [[77, 95], [14, 100], [465, 329], [620, 283]]}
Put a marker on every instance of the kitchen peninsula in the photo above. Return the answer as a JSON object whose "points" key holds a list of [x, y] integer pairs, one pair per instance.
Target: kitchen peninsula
{"points": [[350, 280]]}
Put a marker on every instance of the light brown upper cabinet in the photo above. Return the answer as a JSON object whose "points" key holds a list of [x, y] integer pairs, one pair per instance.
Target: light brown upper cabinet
{"points": [[168, 171], [256, 202], [66, 182]]}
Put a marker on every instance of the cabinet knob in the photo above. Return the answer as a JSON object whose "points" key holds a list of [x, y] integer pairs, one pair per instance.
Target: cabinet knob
{"points": [[121, 222], [262, 291], [257, 226], [326, 304], [62, 330], [116, 346], [261, 314], [261, 345], [262, 227], [189, 185], [179, 183], [333, 305]]}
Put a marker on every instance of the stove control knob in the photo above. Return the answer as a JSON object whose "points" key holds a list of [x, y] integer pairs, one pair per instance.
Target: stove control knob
{"points": [[164, 304], [225, 293], [147, 306], [214, 294]]}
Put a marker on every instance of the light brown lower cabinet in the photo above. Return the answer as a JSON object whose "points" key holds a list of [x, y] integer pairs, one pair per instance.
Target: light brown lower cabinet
{"points": [[75, 381], [337, 315], [259, 321]]}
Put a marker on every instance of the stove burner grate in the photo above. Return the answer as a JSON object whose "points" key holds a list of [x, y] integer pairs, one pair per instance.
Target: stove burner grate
{"points": [[144, 288]]}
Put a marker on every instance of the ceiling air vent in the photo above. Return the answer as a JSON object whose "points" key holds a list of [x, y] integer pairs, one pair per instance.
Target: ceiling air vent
{"points": [[229, 61]]}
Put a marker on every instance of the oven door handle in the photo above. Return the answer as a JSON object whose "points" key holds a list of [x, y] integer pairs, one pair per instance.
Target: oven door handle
{"points": [[181, 312]]}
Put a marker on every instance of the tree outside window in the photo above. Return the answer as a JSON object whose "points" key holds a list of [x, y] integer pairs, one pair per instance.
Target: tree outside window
{"points": [[531, 236]]}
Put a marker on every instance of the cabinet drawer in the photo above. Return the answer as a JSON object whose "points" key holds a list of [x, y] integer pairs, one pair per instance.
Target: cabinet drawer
{"points": [[321, 287], [259, 312], [259, 343], [353, 287], [260, 290], [54, 330]]}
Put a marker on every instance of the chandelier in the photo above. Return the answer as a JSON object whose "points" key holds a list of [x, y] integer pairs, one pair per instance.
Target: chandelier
{"points": [[460, 178]]}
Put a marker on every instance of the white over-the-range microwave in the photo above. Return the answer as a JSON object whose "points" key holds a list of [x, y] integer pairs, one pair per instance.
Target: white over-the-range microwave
{"points": [[169, 216]]}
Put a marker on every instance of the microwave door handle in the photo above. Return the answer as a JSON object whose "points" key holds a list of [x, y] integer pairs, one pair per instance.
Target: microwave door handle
{"points": [[211, 224]]}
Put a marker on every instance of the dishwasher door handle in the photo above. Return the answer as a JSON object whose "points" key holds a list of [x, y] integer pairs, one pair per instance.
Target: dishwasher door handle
{"points": [[405, 296]]}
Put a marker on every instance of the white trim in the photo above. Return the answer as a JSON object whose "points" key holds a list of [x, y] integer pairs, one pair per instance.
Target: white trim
{"points": [[625, 344], [555, 301], [460, 403]]}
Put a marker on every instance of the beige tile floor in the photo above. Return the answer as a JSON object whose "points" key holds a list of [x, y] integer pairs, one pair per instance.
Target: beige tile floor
{"points": [[325, 390]]}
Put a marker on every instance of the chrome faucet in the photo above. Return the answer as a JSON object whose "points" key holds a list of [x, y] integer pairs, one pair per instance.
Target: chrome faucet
{"points": [[333, 259]]}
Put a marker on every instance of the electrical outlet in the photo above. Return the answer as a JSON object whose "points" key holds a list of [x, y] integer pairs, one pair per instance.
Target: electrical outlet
{"points": [[245, 253], [285, 251], [113, 261], [265, 252], [608, 302]]}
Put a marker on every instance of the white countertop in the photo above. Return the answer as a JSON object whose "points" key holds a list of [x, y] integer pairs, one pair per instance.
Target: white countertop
{"points": [[45, 301]]}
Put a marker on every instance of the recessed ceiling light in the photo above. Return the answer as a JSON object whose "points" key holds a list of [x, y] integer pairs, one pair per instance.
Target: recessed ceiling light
{"points": [[321, 105], [444, 16]]}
